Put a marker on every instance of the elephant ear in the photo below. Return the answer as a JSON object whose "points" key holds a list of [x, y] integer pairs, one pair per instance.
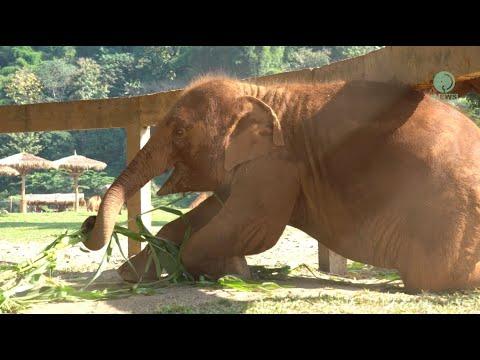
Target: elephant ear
{"points": [[254, 133]]}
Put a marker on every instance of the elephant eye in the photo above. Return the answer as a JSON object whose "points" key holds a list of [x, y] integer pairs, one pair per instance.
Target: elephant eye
{"points": [[179, 132]]}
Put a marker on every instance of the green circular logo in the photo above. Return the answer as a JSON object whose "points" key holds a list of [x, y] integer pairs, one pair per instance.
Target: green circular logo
{"points": [[443, 82]]}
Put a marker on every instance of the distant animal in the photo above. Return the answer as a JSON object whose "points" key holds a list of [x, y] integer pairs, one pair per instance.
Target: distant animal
{"points": [[82, 202], [93, 204]]}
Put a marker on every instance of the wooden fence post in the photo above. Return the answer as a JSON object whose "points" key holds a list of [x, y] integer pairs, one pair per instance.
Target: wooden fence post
{"points": [[330, 262], [137, 137]]}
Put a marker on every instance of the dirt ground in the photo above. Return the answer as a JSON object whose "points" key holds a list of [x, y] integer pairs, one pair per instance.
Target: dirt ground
{"points": [[293, 249]]}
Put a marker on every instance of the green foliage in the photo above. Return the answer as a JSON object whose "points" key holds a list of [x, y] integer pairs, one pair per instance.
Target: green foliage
{"points": [[24, 87], [67, 53], [60, 181], [56, 78], [103, 145], [353, 51], [156, 62], [56, 144], [302, 57], [48, 182], [21, 142], [472, 107], [117, 71], [92, 182], [87, 80], [26, 56]]}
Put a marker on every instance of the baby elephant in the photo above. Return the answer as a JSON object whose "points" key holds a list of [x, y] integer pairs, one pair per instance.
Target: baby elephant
{"points": [[93, 203]]}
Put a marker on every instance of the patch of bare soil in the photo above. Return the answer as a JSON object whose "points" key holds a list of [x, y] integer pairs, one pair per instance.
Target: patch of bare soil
{"points": [[293, 249]]}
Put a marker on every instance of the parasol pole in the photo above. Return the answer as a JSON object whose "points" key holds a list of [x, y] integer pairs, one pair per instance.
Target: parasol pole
{"points": [[23, 203], [75, 186]]}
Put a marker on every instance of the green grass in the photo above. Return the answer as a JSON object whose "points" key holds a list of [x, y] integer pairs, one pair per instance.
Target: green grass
{"points": [[43, 227]]}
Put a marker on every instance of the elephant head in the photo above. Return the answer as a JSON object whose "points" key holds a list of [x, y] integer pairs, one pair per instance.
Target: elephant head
{"points": [[216, 125]]}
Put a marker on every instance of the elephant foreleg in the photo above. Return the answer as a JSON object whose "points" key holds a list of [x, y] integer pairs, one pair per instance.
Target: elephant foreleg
{"points": [[252, 220], [175, 232]]}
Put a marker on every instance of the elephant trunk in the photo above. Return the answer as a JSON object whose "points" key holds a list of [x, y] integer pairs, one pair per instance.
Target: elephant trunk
{"points": [[149, 162]]}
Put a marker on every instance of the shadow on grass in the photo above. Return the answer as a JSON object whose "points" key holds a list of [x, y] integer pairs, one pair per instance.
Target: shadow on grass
{"points": [[195, 299]]}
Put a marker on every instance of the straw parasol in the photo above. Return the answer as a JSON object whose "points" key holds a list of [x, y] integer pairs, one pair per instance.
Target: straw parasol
{"points": [[8, 171], [76, 165], [24, 163]]}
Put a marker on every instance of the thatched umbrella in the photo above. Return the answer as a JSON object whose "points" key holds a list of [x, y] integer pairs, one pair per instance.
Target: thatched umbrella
{"points": [[76, 165], [8, 171], [24, 163]]}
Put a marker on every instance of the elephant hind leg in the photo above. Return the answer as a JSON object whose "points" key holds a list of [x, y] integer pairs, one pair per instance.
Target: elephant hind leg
{"points": [[437, 274], [442, 283]]}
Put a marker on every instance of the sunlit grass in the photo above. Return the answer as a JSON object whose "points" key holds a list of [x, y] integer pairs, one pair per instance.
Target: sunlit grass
{"points": [[43, 227], [359, 302]]}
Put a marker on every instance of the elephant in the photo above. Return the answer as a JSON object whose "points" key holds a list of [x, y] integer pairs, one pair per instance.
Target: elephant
{"points": [[378, 172], [93, 204]]}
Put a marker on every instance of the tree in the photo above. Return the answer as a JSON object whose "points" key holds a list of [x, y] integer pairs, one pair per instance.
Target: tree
{"points": [[344, 52], [238, 61], [155, 68], [118, 73], [48, 181], [87, 83], [103, 145], [67, 53], [22, 142], [303, 57], [56, 144], [19, 56], [268, 60], [56, 78], [470, 105], [156, 62], [353, 51], [93, 182], [24, 87]]}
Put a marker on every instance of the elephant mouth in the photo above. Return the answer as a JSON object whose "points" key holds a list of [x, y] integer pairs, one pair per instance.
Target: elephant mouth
{"points": [[182, 180]]}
